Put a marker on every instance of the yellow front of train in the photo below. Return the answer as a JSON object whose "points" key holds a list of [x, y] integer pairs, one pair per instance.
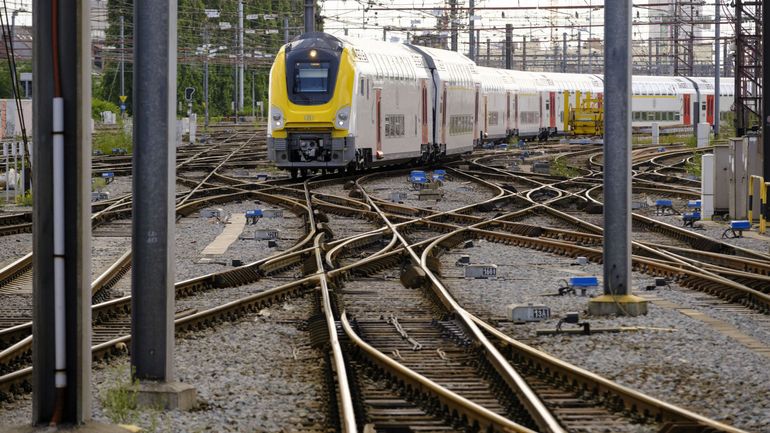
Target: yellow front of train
{"points": [[311, 95]]}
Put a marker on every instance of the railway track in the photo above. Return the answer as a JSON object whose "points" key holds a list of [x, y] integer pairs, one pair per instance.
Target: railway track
{"points": [[408, 355]]}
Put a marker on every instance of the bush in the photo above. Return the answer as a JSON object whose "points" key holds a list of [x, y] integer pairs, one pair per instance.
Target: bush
{"points": [[99, 105]]}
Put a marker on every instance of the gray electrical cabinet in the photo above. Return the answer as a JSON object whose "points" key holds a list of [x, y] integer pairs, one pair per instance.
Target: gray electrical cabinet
{"points": [[721, 179], [739, 178]]}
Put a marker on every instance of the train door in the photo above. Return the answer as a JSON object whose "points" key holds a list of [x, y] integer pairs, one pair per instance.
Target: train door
{"points": [[541, 110], [710, 109], [486, 114], [516, 111], [507, 112], [476, 115], [686, 108], [378, 114], [424, 99], [552, 109], [443, 115]]}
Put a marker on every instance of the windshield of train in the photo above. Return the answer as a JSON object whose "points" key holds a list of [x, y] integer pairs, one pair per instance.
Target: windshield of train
{"points": [[311, 77]]}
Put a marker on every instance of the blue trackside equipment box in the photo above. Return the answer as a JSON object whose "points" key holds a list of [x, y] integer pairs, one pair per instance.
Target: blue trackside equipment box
{"points": [[740, 225], [663, 203], [694, 204], [256, 213], [583, 281]]}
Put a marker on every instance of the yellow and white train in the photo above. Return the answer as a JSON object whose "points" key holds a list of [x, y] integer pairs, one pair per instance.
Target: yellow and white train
{"points": [[342, 103]]}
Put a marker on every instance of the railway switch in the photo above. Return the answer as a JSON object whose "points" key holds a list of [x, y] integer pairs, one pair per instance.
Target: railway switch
{"points": [[664, 207], [481, 271], [272, 244], [108, 176], [580, 261], [519, 313], [579, 283], [736, 228], [659, 282], [236, 263], [464, 260], [100, 195], [573, 318], [690, 218], [262, 176], [252, 216]]}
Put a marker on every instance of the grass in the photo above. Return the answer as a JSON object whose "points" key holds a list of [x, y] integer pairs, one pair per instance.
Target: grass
{"points": [[25, 200], [105, 141], [693, 166], [559, 167], [119, 401]]}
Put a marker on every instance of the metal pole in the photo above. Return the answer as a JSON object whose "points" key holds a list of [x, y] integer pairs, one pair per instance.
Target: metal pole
{"points": [[206, 78], [471, 31], [309, 16], [453, 23], [649, 56], [384, 34], [286, 30], [478, 45], [524, 54], [253, 111], [617, 147], [590, 36], [580, 54], [240, 55], [717, 67], [487, 63], [152, 271], [508, 46], [766, 90], [61, 317], [122, 64], [740, 112], [564, 52]]}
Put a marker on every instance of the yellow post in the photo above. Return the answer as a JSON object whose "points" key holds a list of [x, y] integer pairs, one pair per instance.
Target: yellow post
{"points": [[566, 111], [763, 208], [751, 194]]}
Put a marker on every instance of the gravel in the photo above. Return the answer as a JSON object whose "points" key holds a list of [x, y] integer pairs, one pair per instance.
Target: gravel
{"points": [[14, 247], [676, 361], [714, 230], [257, 374], [457, 192]]}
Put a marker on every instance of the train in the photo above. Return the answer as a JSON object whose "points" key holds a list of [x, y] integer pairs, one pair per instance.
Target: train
{"points": [[339, 103]]}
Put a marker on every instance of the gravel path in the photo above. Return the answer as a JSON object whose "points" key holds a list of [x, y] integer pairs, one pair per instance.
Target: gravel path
{"points": [[258, 374], [714, 230], [677, 362]]}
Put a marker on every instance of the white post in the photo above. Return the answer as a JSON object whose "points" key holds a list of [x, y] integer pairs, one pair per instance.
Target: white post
{"points": [[707, 186], [704, 130], [655, 133]]}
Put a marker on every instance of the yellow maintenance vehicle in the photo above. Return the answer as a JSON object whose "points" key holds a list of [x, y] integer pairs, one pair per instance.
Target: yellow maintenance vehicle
{"points": [[587, 117]]}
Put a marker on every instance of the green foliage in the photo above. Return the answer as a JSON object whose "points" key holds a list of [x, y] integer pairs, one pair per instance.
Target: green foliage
{"points": [[693, 166], [105, 141], [25, 200], [98, 106], [559, 167], [119, 402], [195, 31]]}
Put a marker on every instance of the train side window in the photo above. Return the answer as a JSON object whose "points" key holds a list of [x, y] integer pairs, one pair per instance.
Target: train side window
{"points": [[361, 86]]}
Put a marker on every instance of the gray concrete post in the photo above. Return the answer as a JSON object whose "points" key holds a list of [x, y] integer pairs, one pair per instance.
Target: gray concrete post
{"points": [[655, 133], [564, 52], [717, 66], [152, 277], [71, 197], [617, 165]]}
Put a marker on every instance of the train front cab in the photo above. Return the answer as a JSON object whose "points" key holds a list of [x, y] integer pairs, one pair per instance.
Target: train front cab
{"points": [[310, 92]]}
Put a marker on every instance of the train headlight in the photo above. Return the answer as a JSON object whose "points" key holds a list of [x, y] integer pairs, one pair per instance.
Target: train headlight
{"points": [[276, 117], [342, 119]]}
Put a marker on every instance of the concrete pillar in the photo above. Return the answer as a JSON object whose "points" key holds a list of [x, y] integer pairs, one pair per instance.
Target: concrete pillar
{"points": [[655, 133], [61, 304], [617, 166], [707, 186], [152, 278], [704, 132]]}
